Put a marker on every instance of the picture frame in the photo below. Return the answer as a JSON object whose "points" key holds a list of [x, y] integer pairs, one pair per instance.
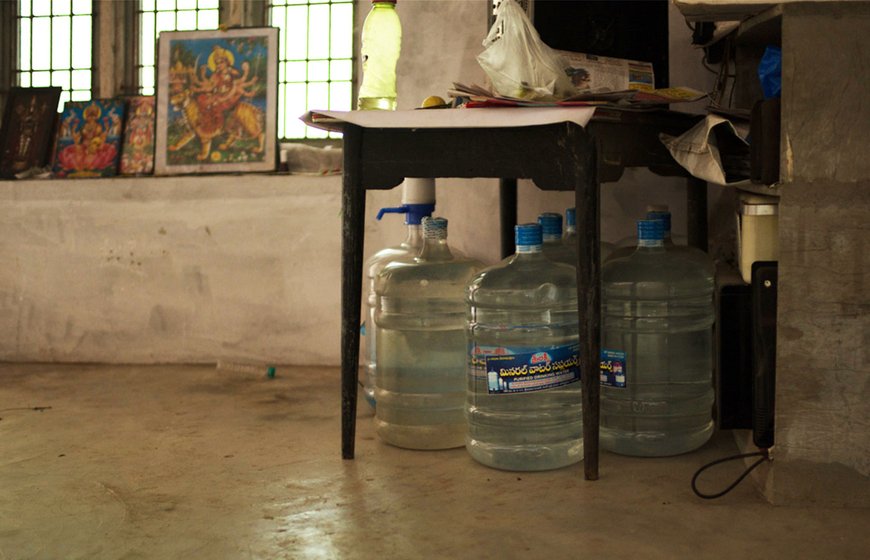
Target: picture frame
{"points": [[27, 129], [88, 140], [137, 148], [217, 101]]}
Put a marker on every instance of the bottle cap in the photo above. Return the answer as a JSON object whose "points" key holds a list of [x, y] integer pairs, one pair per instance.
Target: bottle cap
{"points": [[662, 215], [435, 228], [571, 217], [650, 231], [656, 207], [551, 224], [418, 191], [383, 1], [528, 235]]}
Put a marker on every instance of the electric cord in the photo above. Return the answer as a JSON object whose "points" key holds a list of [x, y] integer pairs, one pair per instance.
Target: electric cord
{"points": [[763, 456]]}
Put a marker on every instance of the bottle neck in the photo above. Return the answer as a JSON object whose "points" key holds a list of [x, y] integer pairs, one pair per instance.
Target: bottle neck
{"points": [[414, 237], [524, 251], [551, 238], [435, 250], [650, 245]]}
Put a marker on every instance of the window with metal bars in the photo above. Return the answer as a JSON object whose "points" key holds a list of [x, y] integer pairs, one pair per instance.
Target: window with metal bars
{"points": [[54, 46], [315, 61], [168, 15]]}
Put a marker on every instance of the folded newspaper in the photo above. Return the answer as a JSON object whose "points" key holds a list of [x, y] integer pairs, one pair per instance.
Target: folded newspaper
{"points": [[598, 80], [479, 96], [591, 73]]}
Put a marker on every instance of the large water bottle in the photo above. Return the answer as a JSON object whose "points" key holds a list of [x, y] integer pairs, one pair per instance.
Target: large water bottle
{"points": [[570, 236], [553, 246], [418, 201], [381, 44], [421, 348], [657, 350], [524, 400]]}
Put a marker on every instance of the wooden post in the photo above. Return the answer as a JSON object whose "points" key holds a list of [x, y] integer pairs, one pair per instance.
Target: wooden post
{"points": [[587, 206], [353, 202], [507, 205]]}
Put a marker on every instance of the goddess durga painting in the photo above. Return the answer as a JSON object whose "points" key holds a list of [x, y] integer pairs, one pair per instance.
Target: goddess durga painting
{"points": [[217, 102]]}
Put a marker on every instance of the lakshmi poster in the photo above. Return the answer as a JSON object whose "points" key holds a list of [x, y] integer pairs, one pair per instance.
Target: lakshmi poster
{"points": [[89, 138], [137, 154], [217, 101]]}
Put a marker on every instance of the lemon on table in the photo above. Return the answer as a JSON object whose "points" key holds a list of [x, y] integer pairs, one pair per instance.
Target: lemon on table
{"points": [[433, 101]]}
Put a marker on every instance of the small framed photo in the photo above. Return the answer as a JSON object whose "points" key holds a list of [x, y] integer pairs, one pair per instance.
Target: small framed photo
{"points": [[89, 138], [217, 107], [137, 152], [27, 130]]}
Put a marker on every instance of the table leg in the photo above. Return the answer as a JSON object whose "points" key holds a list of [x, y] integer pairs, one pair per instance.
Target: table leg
{"points": [[587, 206], [352, 231], [507, 207], [696, 213]]}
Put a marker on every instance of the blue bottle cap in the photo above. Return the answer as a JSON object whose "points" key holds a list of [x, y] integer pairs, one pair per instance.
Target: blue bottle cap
{"points": [[650, 230], [528, 235], [571, 217], [551, 224], [664, 216]]}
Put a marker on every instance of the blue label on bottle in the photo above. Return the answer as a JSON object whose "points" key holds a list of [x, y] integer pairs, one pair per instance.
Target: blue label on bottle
{"points": [[612, 368], [517, 370]]}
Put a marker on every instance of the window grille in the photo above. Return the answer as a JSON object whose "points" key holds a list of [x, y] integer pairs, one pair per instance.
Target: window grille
{"points": [[315, 61], [54, 46], [168, 15]]}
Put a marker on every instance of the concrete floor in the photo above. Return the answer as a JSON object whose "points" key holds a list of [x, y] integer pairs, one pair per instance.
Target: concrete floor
{"points": [[188, 462]]}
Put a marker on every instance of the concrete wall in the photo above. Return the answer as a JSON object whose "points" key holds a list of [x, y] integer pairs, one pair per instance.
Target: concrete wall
{"points": [[181, 269], [195, 269], [822, 451]]}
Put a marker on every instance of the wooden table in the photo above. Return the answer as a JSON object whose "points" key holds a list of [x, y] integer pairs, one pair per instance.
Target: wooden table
{"points": [[559, 156]]}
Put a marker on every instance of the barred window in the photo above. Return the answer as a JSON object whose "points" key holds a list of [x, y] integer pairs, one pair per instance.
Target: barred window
{"points": [[315, 61], [168, 15], [48, 30]]}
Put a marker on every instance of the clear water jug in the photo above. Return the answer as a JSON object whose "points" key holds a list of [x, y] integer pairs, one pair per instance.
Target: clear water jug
{"points": [[524, 400], [657, 350], [418, 201], [420, 390]]}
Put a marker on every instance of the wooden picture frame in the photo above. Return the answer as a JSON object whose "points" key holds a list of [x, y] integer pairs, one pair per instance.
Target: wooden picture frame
{"points": [[89, 138], [27, 130], [217, 101]]}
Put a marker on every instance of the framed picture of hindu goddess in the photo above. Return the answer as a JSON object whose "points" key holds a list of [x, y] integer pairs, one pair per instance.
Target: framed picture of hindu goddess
{"points": [[217, 107], [27, 130], [88, 140], [137, 151]]}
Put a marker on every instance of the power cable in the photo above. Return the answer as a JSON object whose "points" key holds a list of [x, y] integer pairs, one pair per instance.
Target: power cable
{"points": [[763, 456]]}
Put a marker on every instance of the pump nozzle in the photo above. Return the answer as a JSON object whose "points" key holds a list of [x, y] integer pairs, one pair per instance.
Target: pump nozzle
{"points": [[414, 213]]}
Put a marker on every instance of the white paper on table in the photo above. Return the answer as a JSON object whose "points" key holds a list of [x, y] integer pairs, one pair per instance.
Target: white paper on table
{"points": [[450, 118]]}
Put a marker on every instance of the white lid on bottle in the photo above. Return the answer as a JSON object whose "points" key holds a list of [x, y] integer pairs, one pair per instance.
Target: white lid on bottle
{"points": [[418, 191], [657, 208]]}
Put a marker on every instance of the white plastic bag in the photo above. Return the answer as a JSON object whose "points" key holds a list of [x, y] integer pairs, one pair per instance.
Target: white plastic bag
{"points": [[518, 63]]}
